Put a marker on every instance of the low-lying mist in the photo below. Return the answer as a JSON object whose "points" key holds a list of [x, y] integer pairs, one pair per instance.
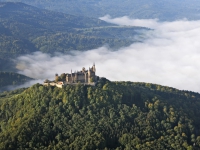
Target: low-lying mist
{"points": [[14, 87], [169, 55]]}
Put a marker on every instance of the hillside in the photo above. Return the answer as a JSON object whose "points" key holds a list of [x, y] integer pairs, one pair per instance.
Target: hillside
{"points": [[11, 79], [25, 29], [162, 9], [111, 115]]}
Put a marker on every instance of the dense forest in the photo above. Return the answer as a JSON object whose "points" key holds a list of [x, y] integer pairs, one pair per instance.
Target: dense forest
{"points": [[162, 9], [25, 29], [110, 115], [11, 79]]}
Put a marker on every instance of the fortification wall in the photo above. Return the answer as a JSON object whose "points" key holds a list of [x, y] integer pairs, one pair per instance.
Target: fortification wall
{"points": [[59, 85]]}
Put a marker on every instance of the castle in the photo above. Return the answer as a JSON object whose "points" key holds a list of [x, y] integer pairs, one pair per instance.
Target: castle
{"points": [[84, 77]]}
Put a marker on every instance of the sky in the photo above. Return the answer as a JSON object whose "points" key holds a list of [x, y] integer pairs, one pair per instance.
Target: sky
{"points": [[169, 55]]}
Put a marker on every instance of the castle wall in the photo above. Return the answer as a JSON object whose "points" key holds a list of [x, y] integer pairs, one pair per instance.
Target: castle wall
{"points": [[46, 84], [59, 85], [83, 76], [69, 79], [77, 77], [80, 77], [52, 84]]}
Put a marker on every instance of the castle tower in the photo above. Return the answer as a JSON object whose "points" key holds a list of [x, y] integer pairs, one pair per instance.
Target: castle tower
{"points": [[83, 69], [67, 78], [89, 75], [71, 76], [56, 77], [76, 77], [86, 77], [93, 68]]}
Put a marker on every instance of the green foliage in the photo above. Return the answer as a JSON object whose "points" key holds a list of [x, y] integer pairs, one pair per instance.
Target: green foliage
{"points": [[11, 78], [25, 29], [110, 115]]}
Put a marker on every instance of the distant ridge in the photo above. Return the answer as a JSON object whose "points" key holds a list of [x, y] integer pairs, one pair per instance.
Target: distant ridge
{"points": [[163, 9], [12, 79], [25, 29], [37, 13]]}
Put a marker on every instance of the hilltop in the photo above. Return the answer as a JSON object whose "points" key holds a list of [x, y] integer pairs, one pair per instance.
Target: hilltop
{"points": [[110, 115]]}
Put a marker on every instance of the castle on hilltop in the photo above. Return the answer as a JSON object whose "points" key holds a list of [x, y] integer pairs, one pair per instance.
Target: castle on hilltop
{"points": [[84, 76]]}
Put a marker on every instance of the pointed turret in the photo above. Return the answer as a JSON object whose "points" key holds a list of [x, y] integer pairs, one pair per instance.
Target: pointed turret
{"points": [[56, 77], [93, 68]]}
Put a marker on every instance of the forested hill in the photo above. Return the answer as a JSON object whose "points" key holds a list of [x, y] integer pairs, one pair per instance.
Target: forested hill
{"points": [[11, 79], [111, 115], [25, 29], [162, 9], [27, 14]]}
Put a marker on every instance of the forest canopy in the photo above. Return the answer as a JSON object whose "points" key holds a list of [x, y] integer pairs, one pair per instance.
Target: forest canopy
{"points": [[111, 115]]}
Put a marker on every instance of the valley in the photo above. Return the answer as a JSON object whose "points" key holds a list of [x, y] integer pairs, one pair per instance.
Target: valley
{"points": [[118, 104], [25, 29]]}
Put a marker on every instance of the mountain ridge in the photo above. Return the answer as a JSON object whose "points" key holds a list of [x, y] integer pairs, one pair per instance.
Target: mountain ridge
{"points": [[27, 29], [163, 10]]}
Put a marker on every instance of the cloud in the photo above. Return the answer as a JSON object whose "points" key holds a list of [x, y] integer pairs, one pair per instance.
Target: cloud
{"points": [[25, 85], [149, 23], [179, 25], [169, 55]]}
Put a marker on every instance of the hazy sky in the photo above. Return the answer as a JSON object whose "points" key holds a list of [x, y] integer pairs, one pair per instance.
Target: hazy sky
{"points": [[170, 55]]}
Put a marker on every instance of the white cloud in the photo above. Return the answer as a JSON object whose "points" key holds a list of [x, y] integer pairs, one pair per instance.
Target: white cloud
{"points": [[169, 56], [129, 22], [179, 25]]}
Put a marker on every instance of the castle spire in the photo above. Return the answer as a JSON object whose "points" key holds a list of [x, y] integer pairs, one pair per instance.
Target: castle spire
{"points": [[93, 67]]}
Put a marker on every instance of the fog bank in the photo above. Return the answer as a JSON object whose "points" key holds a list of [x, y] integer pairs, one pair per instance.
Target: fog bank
{"points": [[169, 55]]}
